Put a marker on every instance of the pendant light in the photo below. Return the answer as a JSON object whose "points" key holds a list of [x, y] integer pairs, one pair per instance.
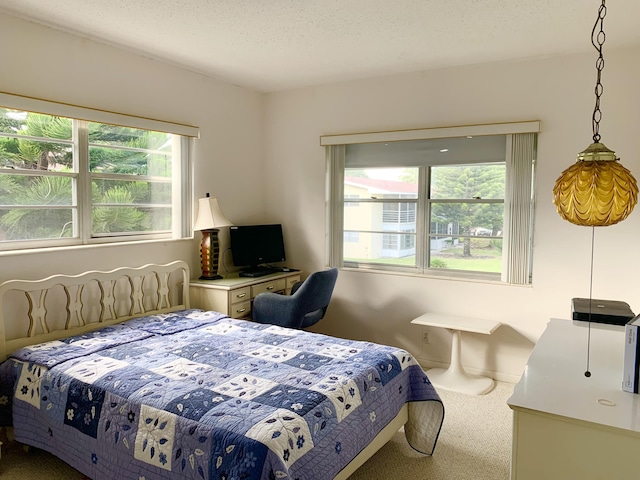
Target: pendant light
{"points": [[596, 190]]}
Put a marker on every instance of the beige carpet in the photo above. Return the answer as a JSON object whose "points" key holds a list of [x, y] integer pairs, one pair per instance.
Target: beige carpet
{"points": [[474, 444]]}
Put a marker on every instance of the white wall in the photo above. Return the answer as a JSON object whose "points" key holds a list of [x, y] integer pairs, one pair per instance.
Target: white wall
{"points": [[270, 144], [45, 63], [379, 307]]}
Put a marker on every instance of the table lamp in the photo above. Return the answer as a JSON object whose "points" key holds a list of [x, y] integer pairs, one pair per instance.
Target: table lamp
{"points": [[210, 219]]}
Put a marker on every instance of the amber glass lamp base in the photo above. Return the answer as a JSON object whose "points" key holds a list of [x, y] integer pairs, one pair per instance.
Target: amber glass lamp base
{"points": [[209, 251]]}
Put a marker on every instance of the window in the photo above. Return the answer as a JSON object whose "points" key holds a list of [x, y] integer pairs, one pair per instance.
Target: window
{"points": [[351, 237], [452, 201], [66, 181], [466, 214]]}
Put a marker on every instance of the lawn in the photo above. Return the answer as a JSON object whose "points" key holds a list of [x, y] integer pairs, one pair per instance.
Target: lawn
{"points": [[492, 264], [483, 259]]}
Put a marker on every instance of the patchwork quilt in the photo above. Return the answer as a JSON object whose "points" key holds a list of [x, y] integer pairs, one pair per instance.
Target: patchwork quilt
{"points": [[198, 395]]}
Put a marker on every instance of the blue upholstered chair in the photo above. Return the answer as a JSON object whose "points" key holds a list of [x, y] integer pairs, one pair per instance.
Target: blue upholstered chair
{"points": [[305, 306]]}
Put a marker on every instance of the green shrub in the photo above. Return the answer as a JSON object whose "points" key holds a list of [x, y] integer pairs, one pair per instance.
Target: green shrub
{"points": [[438, 263]]}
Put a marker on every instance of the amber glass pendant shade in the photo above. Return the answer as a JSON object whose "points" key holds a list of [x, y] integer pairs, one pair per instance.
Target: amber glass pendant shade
{"points": [[596, 190]]}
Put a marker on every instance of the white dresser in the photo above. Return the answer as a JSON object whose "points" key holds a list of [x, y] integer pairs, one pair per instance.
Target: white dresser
{"points": [[567, 426]]}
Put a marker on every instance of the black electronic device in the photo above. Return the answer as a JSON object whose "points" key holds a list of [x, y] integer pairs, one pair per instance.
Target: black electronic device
{"points": [[255, 245], [610, 312], [257, 272]]}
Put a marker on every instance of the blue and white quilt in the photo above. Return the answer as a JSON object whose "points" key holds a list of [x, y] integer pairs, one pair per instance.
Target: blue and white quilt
{"points": [[198, 395]]}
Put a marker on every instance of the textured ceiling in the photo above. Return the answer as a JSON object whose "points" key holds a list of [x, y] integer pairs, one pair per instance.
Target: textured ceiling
{"points": [[272, 45]]}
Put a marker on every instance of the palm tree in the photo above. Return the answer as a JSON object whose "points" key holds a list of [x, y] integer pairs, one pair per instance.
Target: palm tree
{"points": [[37, 222], [37, 155], [117, 219]]}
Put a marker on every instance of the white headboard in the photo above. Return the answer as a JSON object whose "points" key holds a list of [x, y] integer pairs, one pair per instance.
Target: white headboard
{"points": [[36, 311]]}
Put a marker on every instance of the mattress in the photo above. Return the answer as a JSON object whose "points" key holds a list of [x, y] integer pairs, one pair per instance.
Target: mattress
{"points": [[196, 394]]}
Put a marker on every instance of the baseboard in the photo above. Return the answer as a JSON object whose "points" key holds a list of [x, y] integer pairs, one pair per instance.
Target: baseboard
{"points": [[499, 376]]}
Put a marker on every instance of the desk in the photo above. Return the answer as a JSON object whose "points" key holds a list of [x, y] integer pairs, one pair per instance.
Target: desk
{"points": [[454, 377], [567, 426], [233, 295]]}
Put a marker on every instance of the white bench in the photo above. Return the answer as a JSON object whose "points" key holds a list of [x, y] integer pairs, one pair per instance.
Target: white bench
{"points": [[454, 377]]}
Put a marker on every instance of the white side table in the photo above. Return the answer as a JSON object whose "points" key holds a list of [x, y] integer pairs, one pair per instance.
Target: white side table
{"points": [[454, 377]]}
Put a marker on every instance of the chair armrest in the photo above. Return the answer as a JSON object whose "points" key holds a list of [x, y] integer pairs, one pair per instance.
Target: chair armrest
{"points": [[295, 287]]}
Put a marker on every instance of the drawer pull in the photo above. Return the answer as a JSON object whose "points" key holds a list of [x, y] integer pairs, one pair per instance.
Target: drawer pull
{"points": [[270, 287], [241, 295], [241, 310]]}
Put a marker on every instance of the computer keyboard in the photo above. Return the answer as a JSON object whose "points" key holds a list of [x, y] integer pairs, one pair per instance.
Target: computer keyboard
{"points": [[258, 272]]}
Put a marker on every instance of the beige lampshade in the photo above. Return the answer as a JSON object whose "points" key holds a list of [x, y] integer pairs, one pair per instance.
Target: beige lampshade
{"points": [[596, 190], [210, 215]]}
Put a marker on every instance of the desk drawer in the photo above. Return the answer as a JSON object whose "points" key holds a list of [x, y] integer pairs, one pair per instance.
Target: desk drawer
{"points": [[291, 281], [240, 310], [240, 295], [273, 286]]}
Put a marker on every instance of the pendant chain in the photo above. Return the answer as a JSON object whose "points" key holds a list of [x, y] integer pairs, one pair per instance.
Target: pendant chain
{"points": [[597, 39]]}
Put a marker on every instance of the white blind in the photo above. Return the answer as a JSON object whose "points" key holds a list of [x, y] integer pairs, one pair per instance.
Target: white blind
{"points": [[426, 152], [518, 207], [335, 212]]}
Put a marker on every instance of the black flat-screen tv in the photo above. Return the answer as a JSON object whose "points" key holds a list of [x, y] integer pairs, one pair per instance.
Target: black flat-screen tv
{"points": [[253, 245]]}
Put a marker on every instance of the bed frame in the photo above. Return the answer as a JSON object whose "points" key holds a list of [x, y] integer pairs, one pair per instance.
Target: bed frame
{"points": [[64, 305], [37, 311]]}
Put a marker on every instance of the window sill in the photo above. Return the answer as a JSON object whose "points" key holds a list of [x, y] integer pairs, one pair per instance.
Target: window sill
{"points": [[492, 279]]}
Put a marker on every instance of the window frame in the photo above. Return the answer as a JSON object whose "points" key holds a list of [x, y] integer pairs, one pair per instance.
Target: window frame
{"points": [[81, 204], [517, 264]]}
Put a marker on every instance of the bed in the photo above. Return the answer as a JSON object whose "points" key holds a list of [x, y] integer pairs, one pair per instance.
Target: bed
{"points": [[115, 374]]}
